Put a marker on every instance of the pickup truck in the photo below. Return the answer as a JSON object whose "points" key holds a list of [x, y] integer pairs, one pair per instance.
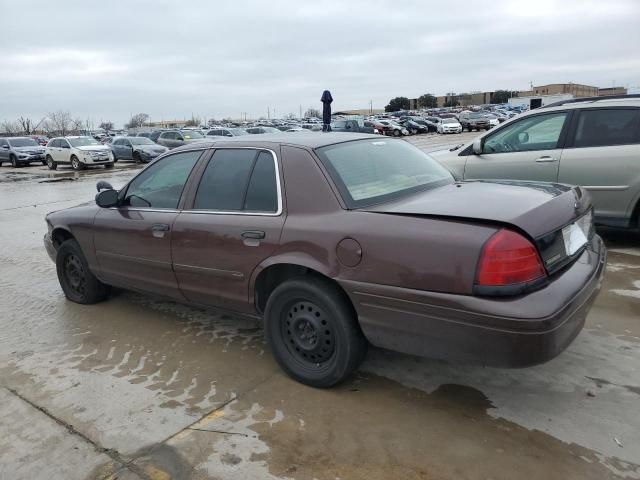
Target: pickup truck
{"points": [[473, 121], [354, 126]]}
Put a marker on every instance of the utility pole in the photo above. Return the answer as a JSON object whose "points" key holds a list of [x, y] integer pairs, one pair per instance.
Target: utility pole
{"points": [[268, 114], [300, 112]]}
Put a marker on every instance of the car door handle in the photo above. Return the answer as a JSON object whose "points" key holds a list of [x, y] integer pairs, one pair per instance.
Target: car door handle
{"points": [[546, 159], [160, 227], [253, 234]]}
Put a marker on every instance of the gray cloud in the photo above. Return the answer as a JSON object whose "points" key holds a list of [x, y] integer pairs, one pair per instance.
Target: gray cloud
{"points": [[106, 60]]}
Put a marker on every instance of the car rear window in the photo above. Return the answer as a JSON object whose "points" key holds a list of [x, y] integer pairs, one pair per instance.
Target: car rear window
{"points": [[373, 171]]}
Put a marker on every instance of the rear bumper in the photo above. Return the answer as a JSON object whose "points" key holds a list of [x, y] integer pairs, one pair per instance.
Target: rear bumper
{"points": [[506, 332]]}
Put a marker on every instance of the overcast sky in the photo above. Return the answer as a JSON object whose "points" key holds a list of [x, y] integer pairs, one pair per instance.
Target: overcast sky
{"points": [[106, 60]]}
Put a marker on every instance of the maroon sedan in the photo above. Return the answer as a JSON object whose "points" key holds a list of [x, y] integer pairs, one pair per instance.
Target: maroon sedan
{"points": [[340, 240]]}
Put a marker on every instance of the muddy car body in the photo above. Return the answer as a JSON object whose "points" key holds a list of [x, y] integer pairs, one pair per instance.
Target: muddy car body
{"points": [[351, 239]]}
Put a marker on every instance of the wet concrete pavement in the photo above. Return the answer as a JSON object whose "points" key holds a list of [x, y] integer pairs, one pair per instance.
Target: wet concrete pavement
{"points": [[137, 387]]}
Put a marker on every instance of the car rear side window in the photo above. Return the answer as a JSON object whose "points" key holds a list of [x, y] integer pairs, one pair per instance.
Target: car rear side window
{"points": [[161, 184], [262, 193], [238, 180], [224, 181], [607, 126]]}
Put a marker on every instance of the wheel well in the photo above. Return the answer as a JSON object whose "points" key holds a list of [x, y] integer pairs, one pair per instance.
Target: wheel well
{"points": [[59, 236], [272, 276]]}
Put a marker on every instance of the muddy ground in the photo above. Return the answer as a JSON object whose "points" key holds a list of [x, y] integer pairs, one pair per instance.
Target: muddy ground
{"points": [[137, 387]]}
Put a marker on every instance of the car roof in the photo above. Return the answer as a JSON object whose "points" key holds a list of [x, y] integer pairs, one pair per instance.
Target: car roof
{"points": [[310, 140], [16, 138]]}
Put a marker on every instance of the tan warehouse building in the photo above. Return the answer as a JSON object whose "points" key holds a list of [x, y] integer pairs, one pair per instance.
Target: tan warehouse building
{"points": [[575, 89]]}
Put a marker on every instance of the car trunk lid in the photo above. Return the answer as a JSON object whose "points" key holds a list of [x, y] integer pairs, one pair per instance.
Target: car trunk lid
{"points": [[540, 210]]}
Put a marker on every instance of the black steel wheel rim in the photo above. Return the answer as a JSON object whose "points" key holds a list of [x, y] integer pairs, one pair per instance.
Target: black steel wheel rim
{"points": [[308, 333], [75, 274]]}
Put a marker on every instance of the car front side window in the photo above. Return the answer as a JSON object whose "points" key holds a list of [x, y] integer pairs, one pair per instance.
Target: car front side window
{"points": [[538, 132], [161, 185]]}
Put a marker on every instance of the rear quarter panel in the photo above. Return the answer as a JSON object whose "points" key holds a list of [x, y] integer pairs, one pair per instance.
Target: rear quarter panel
{"points": [[406, 251]]}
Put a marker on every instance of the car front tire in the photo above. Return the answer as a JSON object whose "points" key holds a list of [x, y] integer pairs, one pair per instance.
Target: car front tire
{"points": [[313, 332], [50, 163], [76, 164], [14, 161], [108, 165], [78, 283]]}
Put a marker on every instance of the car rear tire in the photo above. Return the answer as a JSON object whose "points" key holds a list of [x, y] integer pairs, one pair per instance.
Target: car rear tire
{"points": [[108, 165], [76, 164], [397, 133], [115, 159], [50, 163], [313, 332], [136, 157], [44, 162], [78, 283]]}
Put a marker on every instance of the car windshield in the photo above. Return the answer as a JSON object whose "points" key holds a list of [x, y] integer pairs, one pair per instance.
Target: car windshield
{"points": [[190, 135], [23, 142], [140, 141], [82, 141], [238, 131], [475, 115], [372, 171], [449, 120]]}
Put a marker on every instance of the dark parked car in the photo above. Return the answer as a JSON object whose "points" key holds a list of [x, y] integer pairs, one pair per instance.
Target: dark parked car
{"points": [[340, 240], [138, 149], [226, 132], [262, 129], [176, 138], [474, 121], [21, 151], [413, 126], [353, 126]]}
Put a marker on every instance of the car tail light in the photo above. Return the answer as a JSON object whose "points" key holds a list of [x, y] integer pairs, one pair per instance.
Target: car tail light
{"points": [[507, 259]]}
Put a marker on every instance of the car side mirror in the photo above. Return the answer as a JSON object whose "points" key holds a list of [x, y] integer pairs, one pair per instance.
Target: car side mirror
{"points": [[107, 198], [523, 137], [228, 135], [477, 146], [6, 147]]}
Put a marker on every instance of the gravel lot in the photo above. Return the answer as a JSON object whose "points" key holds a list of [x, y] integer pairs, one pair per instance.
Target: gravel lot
{"points": [[138, 387]]}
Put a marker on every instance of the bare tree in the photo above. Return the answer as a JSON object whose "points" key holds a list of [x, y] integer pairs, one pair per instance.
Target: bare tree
{"points": [[106, 126], [193, 122], [312, 112], [138, 120], [9, 127], [26, 124], [77, 125], [211, 122], [60, 122]]}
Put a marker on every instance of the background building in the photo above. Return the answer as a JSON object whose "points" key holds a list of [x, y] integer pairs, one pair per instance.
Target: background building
{"points": [[605, 92], [575, 89]]}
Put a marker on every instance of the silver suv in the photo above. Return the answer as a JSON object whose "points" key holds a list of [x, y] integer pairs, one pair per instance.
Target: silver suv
{"points": [[592, 142], [20, 151]]}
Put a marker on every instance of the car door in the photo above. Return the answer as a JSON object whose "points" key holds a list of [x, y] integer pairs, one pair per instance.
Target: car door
{"points": [[126, 148], [234, 222], [133, 241], [528, 149], [63, 153], [165, 139], [4, 150], [602, 154]]}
